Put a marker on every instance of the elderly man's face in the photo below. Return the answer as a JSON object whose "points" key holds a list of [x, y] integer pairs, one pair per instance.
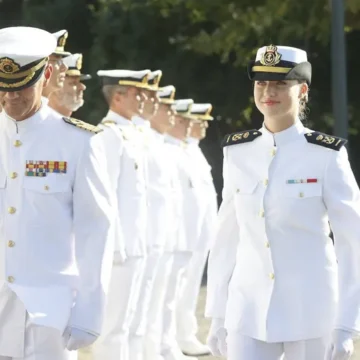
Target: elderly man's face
{"points": [[24, 103], [71, 95]]}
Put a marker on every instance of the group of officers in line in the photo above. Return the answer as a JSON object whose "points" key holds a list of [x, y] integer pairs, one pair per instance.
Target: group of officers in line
{"points": [[106, 229]]}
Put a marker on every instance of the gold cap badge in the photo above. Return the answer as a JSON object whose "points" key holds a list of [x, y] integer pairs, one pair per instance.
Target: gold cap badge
{"points": [[270, 57], [8, 66]]}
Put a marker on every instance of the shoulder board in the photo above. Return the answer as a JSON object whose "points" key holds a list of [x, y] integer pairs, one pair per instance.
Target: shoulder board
{"points": [[241, 137], [82, 125], [328, 141], [108, 122]]}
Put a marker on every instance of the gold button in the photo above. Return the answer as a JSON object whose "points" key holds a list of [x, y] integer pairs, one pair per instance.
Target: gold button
{"points": [[262, 213], [11, 279], [267, 244], [46, 187], [17, 143], [11, 210], [301, 194], [237, 190], [272, 276], [266, 181], [273, 152], [14, 175], [136, 166], [11, 243]]}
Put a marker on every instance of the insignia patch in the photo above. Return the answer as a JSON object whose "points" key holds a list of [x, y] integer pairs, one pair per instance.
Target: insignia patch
{"points": [[41, 168], [240, 137], [8, 66], [328, 141], [83, 125], [270, 57]]}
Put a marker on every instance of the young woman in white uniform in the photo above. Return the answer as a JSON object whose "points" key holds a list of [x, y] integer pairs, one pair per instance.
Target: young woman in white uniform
{"points": [[277, 286]]}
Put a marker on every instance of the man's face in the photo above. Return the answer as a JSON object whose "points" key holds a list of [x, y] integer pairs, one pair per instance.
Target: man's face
{"points": [[22, 104], [198, 129], [59, 72], [71, 95], [165, 117], [151, 103]]}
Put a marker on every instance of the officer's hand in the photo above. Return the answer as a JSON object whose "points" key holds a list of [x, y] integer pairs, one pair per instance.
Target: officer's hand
{"points": [[341, 346], [75, 339], [119, 257], [216, 340]]}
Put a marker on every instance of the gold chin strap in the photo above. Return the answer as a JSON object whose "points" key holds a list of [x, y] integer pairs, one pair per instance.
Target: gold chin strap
{"points": [[270, 69]]}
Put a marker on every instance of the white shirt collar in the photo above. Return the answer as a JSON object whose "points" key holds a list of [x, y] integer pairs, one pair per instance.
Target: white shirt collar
{"points": [[120, 120], [288, 135], [156, 135], [138, 120], [192, 141], [173, 140], [12, 126]]}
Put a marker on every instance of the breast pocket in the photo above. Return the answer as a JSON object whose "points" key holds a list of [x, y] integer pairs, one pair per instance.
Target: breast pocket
{"points": [[246, 199], [302, 191], [47, 185], [47, 200]]}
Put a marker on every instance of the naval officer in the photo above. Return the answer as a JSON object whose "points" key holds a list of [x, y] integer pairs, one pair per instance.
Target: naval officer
{"points": [[56, 217], [277, 286]]}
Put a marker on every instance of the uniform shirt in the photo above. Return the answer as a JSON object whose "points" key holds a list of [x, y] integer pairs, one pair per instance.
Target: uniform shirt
{"points": [[160, 188], [190, 206], [127, 173], [273, 272], [56, 219], [204, 185]]}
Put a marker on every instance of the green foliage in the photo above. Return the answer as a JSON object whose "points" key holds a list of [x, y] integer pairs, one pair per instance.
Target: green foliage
{"points": [[202, 46]]}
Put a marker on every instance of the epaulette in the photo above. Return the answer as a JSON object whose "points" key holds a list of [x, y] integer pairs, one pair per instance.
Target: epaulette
{"points": [[82, 125], [240, 137], [328, 141]]}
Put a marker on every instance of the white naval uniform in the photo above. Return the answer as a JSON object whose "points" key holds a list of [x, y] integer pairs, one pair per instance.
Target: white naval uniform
{"points": [[127, 175], [174, 241], [273, 273], [159, 195], [187, 326], [56, 232], [183, 246]]}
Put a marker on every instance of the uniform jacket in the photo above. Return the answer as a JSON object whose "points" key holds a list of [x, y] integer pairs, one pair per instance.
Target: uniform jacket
{"points": [[273, 272], [128, 179], [204, 186], [56, 219]]}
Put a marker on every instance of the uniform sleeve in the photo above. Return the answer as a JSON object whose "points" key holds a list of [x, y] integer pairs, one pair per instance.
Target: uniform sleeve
{"points": [[342, 199], [208, 226], [93, 227], [222, 257]]}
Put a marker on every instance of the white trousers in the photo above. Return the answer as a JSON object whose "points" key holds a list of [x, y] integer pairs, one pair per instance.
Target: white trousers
{"points": [[43, 343], [168, 341], [154, 326], [141, 311], [187, 325], [240, 347], [113, 344], [20, 339]]}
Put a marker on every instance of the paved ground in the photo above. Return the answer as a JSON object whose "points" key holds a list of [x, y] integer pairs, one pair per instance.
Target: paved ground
{"points": [[204, 327]]}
